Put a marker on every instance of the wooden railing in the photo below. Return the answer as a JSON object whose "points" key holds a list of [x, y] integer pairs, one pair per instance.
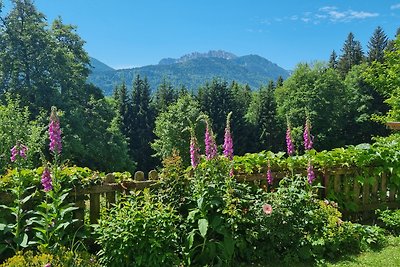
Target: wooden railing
{"points": [[108, 189], [341, 185]]}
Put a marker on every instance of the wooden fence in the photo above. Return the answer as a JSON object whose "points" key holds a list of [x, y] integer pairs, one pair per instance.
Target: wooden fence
{"points": [[353, 193]]}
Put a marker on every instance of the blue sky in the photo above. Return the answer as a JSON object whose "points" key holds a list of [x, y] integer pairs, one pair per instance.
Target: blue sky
{"points": [[124, 33]]}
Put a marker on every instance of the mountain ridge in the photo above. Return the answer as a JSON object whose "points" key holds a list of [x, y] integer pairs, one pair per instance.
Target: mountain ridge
{"points": [[192, 71]]}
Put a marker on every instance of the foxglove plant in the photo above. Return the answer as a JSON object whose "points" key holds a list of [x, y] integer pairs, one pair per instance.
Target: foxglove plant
{"points": [[228, 142], [194, 149], [289, 141], [211, 146], [270, 179], [308, 138], [310, 173], [18, 190], [54, 217]]}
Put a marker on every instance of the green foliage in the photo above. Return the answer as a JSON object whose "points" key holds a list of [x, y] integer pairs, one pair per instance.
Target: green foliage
{"points": [[170, 129], [16, 126], [352, 54], [369, 161], [303, 228], [391, 220], [139, 231], [267, 129], [63, 258], [384, 78], [377, 45], [219, 225], [317, 91]]}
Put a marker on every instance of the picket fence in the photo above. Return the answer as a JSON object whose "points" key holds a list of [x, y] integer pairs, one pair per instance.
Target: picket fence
{"points": [[354, 191]]}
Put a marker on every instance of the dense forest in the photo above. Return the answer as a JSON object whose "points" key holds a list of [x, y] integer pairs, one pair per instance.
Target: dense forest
{"points": [[43, 65]]}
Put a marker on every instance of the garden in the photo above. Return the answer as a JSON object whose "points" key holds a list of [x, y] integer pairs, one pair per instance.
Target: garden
{"points": [[223, 210], [299, 172]]}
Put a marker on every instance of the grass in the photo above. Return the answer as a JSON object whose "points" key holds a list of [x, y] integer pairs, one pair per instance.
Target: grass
{"points": [[387, 257]]}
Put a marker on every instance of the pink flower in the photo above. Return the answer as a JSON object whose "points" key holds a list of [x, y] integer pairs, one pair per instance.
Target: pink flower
{"points": [[310, 173], [194, 151], [228, 142], [47, 265], [289, 142], [55, 132], [18, 149], [308, 138], [267, 208], [270, 179], [46, 180], [211, 146]]}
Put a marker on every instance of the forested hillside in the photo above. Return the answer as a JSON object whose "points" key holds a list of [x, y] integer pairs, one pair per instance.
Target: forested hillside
{"points": [[192, 71]]}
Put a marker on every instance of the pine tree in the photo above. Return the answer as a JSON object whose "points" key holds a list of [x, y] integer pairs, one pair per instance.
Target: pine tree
{"points": [[164, 96], [333, 62], [141, 124], [352, 54], [279, 81], [377, 45]]}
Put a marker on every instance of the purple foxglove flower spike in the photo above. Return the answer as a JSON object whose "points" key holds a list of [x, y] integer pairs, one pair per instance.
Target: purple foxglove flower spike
{"points": [[194, 150], [270, 179], [308, 143], [211, 147], [55, 132], [46, 180], [310, 173], [289, 142], [228, 142]]}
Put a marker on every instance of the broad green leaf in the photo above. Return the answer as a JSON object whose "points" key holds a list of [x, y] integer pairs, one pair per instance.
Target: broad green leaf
{"points": [[203, 226]]}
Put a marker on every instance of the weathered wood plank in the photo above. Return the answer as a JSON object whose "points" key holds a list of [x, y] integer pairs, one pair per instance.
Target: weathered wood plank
{"points": [[94, 208]]}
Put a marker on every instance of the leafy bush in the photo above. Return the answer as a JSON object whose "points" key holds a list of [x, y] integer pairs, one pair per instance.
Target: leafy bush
{"points": [[301, 227], [220, 225], [139, 231], [63, 258], [391, 220]]}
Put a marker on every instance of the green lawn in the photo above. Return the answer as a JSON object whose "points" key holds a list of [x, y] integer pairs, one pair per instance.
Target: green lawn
{"points": [[387, 257]]}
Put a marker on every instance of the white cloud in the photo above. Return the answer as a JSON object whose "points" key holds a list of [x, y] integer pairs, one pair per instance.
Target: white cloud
{"points": [[334, 14], [396, 6]]}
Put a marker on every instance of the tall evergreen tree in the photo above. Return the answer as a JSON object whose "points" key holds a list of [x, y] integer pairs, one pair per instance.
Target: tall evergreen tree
{"points": [[267, 131], [164, 96], [352, 54], [279, 81], [333, 62], [141, 125], [376, 45]]}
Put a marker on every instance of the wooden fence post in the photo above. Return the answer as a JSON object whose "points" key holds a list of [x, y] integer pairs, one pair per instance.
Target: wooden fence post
{"points": [[110, 196], [153, 175], [94, 207], [139, 176]]}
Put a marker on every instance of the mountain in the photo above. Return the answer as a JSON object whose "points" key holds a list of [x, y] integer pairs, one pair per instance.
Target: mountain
{"points": [[98, 66], [192, 71]]}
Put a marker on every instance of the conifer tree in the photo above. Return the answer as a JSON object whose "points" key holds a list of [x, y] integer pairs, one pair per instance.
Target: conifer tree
{"points": [[377, 45], [352, 54], [164, 96], [141, 124], [333, 62]]}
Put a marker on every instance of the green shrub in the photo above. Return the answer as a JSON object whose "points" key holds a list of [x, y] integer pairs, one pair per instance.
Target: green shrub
{"points": [[220, 224], [139, 231], [63, 258], [301, 227], [391, 220]]}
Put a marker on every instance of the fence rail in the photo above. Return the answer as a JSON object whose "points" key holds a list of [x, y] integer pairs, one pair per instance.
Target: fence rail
{"points": [[346, 186]]}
